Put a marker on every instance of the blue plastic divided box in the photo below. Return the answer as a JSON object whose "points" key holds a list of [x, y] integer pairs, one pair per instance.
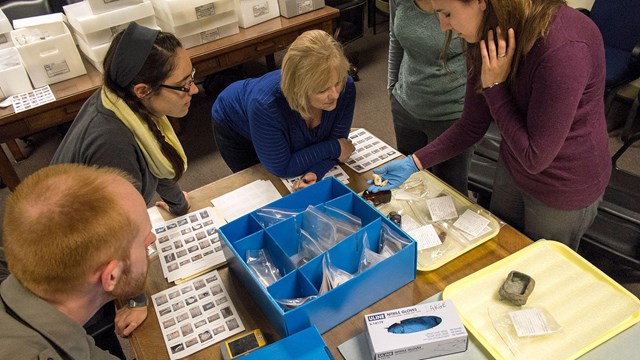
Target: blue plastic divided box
{"points": [[282, 241]]}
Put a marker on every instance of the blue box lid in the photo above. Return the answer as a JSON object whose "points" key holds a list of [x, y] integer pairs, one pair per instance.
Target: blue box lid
{"points": [[306, 344]]}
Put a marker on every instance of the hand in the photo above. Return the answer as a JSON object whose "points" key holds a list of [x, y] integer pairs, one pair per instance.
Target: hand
{"points": [[496, 63], [346, 149], [396, 172], [163, 205], [128, 319], [308, 179]]}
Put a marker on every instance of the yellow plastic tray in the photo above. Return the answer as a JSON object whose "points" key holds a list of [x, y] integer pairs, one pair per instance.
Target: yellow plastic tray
{"points": [[589, 306], [455, 244]]}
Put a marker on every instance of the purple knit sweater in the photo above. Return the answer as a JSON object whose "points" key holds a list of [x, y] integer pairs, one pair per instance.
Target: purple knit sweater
{"points": [[554, 137]]}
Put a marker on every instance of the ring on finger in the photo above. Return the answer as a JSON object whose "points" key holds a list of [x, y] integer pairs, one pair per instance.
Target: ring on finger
{"points": [[502, 55]]}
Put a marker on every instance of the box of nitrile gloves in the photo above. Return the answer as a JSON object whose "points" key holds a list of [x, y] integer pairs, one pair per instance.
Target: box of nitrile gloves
{"points": [[423, 331], [303, 278]]}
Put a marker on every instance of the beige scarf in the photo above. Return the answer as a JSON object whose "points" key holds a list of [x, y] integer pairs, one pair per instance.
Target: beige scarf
{"points": [[158, 164]]}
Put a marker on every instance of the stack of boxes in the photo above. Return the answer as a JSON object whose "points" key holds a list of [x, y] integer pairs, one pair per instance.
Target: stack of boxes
{"points": [[47, 49], [94, 23], [196, 22], [13, 76]]}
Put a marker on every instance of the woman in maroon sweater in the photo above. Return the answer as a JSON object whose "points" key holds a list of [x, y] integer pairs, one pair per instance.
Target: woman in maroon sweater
{"points": [[537, 69]]}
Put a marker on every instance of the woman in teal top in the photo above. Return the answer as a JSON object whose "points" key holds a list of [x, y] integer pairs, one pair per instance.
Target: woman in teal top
{"points": [[427, 96]]}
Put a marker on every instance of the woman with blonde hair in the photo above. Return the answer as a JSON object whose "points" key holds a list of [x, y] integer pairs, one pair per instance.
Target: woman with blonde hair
{"points": [[295, 121], [537, 69]]}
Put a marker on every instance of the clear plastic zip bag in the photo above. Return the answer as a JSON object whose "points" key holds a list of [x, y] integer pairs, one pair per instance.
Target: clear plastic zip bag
{"points": [[261, 265]]}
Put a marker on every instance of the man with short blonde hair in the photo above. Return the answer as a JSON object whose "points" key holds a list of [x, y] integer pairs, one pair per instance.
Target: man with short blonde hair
{"points": [[75, 238]]}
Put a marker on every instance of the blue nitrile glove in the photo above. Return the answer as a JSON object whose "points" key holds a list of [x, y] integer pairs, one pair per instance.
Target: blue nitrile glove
{"points": [[396, 172]]}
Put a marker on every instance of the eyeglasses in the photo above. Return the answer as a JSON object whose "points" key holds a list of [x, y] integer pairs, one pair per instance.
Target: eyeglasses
{"points": [[185, 88]]}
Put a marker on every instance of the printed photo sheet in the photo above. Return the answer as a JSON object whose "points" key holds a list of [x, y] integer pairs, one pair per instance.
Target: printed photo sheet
{"points": [[196, 314], [335, 171], [33, 98], [370, 151], [189, 244]]}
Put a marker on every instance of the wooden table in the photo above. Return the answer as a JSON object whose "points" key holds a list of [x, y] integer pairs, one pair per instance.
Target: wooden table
{"points": [[260, 40], [147, 340]]}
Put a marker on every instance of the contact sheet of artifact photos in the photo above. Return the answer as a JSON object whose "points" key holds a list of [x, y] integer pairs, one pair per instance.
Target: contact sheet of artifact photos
{"points": [[189, 244], [370, 151], [195, 315]]}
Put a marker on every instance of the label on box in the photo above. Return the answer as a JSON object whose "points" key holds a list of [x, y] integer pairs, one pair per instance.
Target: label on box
{"points": [[118, 28], [205, 10], [210, 35], [417, 332], [260, 9], [55, 69], [304, 6]]}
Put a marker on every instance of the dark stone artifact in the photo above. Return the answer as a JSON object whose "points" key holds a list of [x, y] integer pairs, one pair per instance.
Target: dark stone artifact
{"points": [[395, 217], [517, 288], [380, 197]]}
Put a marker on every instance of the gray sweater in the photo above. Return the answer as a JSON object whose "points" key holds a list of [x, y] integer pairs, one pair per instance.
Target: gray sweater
{"points": [[98, 137], [417, 76]]}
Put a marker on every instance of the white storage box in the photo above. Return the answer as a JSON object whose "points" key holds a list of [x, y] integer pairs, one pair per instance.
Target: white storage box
{"points": [[5, 29], [106, 35], [13, 77], [100, 6], [180, 12], [291, 8], [48, 53], [196, 27], [253, 12], [210, 35], [97, 27], [36, 21], [417, 332]]}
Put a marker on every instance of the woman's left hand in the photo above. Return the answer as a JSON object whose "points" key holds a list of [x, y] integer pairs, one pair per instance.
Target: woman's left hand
{"points": [[165, 206], [308, 179], [496, 63]]}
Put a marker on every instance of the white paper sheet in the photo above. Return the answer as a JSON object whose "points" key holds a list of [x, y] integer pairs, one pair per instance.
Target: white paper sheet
{"points": [[244, 200], [370, 151]]}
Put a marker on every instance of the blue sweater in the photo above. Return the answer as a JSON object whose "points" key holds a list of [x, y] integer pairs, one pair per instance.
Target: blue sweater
{"points": [[257, 110]]}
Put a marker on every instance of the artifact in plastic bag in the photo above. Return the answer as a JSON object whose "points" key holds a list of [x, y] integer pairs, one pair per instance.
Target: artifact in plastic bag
{"points": [[517, 288], [288, 304], [319, 226], [390, 241], [332, 276], [268, 216], [369, 257], [395, 217], [307, 249], [261, 265], [519, 328], [345, 223], [377, 198]]}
